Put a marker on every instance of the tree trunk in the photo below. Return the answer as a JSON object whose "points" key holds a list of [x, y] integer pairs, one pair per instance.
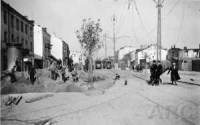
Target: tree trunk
{"points": [[90, 69]]}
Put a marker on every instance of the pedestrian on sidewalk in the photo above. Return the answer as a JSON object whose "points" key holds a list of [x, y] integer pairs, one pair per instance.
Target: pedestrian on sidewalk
{"points": [[32, 73], [12, 74], [159, 71], [64, 74], [153, 69], [174, 73]]}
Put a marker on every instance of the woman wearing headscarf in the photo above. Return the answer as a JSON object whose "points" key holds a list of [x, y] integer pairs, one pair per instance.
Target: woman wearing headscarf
{"points": [[174, 73]]}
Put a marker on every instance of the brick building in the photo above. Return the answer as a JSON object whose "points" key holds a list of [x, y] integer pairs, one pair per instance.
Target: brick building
{"points": [[16, 38]]}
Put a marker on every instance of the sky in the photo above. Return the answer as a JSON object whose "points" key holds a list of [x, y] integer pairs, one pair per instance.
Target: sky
{"points": [[135, 26]]}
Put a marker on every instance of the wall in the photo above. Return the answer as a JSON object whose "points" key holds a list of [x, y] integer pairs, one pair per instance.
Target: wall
{"points": [[57, 47], [38, 40]]}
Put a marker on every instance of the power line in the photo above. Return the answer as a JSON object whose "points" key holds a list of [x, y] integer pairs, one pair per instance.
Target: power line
{"points": [[173, 7], [139, 15], [181, 24]]}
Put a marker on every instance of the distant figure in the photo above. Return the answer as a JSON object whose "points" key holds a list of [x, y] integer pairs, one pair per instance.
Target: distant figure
{"points": [[12, 74], [32, 73], [174, 73], [75, 76], [52, 69], [117, 77], [63, 73], [153, 69], [159, 71], [125, 82]]}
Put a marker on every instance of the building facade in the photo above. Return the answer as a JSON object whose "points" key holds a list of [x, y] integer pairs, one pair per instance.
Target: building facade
{"points": [[42, 47], [66, 53], [149, 53], [60, 49], [186, 59], [46, 47], [57, 47], [16, 39]]}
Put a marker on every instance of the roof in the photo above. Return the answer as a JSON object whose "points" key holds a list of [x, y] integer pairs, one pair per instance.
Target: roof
{"points": [[138, 50], [6, 5]]}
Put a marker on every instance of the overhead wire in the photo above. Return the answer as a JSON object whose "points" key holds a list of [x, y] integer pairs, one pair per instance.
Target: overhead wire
{"points": [[139, 15], [181, 25]]}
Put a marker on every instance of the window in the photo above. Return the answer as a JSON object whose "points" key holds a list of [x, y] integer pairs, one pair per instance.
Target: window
{"points": [[12, 21], [5, 36], [17, 24], [12, 38], [31, 46], [26, 42], [23, 41], [18, 39], [26, 29], [5, 17], [31, 31], [22, 27]]}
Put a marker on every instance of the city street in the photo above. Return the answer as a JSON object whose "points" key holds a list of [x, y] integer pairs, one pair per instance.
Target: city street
{"points": [[134, 103], [100, 62]]}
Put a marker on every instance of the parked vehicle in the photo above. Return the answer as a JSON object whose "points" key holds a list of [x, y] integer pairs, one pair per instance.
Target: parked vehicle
{"points": [[98, 64]]}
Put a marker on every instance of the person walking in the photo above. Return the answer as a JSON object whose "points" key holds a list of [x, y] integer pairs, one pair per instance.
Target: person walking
{"points": [[159, 71], [174, 73], [12, 74], [153, 69], [32, 73]]}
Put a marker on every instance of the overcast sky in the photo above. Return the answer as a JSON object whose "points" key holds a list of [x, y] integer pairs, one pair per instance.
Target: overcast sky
{"points": [[180, 20]]}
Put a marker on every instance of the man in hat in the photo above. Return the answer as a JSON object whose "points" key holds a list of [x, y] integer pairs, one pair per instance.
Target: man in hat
{"points": [[153, 69]]}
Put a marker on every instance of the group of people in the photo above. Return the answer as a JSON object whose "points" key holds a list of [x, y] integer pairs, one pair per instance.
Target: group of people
{"points": [[156, 70], [58, 70]]}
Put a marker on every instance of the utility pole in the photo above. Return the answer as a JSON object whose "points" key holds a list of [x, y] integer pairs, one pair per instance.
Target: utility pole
{"points": [[105, 45], [114, 40], [159, 6]]}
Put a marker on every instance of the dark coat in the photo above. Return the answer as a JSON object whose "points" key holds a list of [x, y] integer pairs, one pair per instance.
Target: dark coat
{"points": [[32, 73], [159, 70], [174, 73], [153, 70]]}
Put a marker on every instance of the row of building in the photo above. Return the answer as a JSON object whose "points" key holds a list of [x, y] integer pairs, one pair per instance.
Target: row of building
{"points": [[25, 43], [187, 59]]}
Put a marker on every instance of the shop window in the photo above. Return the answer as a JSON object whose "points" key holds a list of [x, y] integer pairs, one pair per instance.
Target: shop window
{"points": [[5, 36], [12, 21], [5, 17], [26, 29], [22, 26], [17, 24]]}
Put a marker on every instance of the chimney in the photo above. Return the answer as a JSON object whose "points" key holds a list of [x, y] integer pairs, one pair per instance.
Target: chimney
{"points": [[185, 48]]}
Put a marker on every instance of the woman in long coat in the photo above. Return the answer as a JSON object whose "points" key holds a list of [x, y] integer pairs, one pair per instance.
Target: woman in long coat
{"points": [[32, 73], [174, 73]]}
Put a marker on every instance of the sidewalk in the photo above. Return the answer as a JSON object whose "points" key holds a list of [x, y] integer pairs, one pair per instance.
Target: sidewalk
{"points": [[189, 77]]}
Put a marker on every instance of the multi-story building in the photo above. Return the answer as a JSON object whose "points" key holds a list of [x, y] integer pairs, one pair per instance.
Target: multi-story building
{"points": [[173, 54], [186, 59], [149, 54], [16, 38], [42, 47], [46, 47], [60, 49], [66, 53]]}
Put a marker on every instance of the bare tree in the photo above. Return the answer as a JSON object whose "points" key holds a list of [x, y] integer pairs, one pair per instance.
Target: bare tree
{"points": [[89, 38]]}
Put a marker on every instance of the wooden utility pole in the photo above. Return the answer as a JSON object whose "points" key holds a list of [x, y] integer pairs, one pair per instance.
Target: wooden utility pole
{"points": [[105, 45], [114, 39], [159, 6]]}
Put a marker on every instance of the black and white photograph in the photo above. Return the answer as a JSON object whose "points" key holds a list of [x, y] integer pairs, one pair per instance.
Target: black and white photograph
{"points": [[100, 62]]}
